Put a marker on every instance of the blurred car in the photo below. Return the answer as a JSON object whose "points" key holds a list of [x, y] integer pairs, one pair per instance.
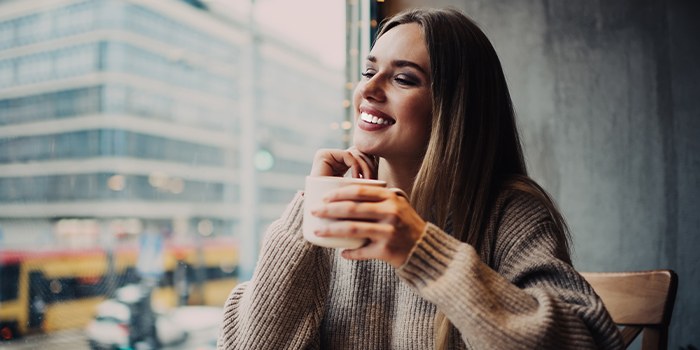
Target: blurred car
{"points": [[116, 325], [202, 325]]}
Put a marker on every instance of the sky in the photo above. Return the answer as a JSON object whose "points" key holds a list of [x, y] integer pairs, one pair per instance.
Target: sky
{"points": [[318, 25]]}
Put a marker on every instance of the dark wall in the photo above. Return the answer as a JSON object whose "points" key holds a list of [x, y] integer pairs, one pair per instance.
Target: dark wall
{"points": [[608, 100]]}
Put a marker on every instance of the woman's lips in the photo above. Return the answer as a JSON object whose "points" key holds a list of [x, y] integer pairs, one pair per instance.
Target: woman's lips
{"points": [[371, 120], [374, 119]]}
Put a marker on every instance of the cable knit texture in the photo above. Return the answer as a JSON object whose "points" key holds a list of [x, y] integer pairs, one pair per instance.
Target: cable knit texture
{"points": [[515, 292]]}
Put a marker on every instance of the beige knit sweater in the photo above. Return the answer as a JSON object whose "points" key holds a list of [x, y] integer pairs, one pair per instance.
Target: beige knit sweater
{"points": [[516, 292]]}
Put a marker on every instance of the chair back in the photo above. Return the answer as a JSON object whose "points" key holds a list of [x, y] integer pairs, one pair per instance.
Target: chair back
{"points": [[641, 301]]}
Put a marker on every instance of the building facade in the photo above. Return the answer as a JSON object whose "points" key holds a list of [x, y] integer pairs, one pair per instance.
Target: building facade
{"points": [[121, 117]]}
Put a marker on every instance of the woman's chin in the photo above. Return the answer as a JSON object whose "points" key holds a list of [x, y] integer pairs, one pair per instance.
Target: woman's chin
{"points": [[367, 149]]}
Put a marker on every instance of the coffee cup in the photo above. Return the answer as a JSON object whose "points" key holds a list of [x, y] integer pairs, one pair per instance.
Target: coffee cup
{"points": [[316, 188]]}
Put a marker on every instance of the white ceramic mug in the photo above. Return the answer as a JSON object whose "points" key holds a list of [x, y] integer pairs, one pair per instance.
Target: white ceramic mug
{"points": [[315, 189]]}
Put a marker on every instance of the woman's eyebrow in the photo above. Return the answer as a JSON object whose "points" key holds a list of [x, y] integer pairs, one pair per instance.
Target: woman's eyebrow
{"points": [[400, 63]]}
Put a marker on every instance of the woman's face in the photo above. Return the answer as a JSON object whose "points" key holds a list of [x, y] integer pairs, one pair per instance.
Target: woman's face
{"points": [[392, 101]]}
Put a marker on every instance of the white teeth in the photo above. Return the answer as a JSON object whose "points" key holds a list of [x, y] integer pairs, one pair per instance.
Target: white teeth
{"points": [[374, 119]]}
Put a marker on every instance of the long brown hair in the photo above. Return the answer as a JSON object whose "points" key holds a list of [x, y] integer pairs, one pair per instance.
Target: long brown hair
{"points": [[474, 151]]}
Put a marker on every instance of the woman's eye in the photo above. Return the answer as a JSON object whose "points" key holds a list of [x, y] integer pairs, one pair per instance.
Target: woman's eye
{"points": [[368, 74], [405, 80]]}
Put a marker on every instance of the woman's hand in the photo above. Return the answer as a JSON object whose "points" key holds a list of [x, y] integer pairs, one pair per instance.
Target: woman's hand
{"points": [[337, 162], [381, 216]]}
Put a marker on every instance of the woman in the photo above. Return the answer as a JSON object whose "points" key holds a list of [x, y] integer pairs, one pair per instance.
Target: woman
{"points": [[477, 258]]}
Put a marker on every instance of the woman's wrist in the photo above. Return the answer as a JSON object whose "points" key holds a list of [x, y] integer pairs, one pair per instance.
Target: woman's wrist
{"points": [[415, 246]]}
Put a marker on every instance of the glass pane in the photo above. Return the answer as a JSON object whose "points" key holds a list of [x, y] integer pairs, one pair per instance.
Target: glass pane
{"points": [[144, 148]]}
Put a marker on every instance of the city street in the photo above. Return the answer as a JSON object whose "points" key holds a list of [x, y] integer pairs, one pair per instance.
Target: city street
{"points": [[63, 340], [75, 340]]}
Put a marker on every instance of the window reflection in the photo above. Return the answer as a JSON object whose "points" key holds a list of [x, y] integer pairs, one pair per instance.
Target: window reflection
{"points": [[122, 128]]}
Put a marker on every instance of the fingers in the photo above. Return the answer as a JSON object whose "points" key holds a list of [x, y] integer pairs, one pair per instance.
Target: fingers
{"points": [[381, 216], [368, 252], [355, 229], [349, 210], [329, 162], [368, 164], [353, 163], [335, 162], [375, 250], [361, 164], [365, 203], [376, 236], [361, 193]]}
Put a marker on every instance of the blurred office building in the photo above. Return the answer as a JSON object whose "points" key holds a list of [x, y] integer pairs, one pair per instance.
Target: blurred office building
{"points": [[124, 116]]}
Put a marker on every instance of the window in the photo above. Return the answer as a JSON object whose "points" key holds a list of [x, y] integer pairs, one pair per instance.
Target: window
{"points": [[190, 122], [6, 73], [9, 273], [7, 34]]}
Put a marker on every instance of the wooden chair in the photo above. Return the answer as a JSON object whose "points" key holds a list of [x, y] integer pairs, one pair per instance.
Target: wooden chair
{"points": [[640, 301]]}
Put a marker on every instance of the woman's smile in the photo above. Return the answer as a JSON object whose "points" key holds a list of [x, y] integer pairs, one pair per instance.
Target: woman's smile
{"points": [[373, 119]]}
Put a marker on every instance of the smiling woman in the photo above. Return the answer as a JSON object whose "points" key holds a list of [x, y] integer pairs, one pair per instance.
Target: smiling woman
{"points": [[475, 254]]}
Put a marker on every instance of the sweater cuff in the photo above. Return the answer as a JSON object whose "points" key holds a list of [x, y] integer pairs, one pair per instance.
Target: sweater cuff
{"points": [[430, 257]]}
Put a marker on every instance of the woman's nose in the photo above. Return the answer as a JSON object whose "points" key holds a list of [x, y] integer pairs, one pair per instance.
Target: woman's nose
{"points": [[372, 89]]}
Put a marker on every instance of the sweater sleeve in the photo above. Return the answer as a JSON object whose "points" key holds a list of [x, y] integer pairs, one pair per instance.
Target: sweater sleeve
{"points": [[282, 305], [529, 298]]}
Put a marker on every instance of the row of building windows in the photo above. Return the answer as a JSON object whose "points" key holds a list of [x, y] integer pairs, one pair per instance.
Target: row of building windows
{"points": [[85, 16], [104, 56], [288, 166], [161, 105], [274, 195], [62, 63], [110, 143], [101, 186], [164, 29], [48, 24], [114, 99], [53, 105], [126, 58], [285, 135]]}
